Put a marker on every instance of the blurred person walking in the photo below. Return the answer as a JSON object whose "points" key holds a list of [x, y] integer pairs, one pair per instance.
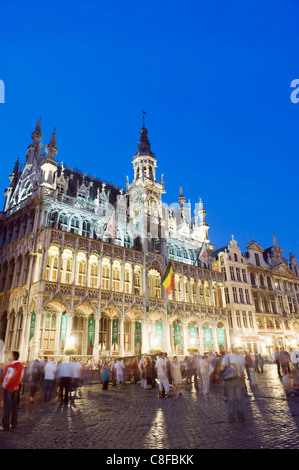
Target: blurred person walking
{"points": [[261, 362], [284, 358], [34, 386], [277, 361], [233, 385], [204, 367], [120, 377], [77, 376], [162, 376], [50, 369], [105, 375], [148, 372], [250, 366], [11, 385], [65, 376], [176, 375], [113, 373]]}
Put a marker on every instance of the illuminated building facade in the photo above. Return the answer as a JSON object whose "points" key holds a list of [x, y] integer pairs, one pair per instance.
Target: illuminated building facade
{"points": [[82, 263], [275, 293], [262, 296]]}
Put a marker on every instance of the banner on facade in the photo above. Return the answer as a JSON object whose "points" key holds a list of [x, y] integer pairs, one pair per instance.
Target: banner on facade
{"points": [[177, 333], [32, 325], [63, 328], [159, 334], [207, 336], [168, 279], [91, 330], [221, 337], [138, 333], [193, 335], [115, 331]]}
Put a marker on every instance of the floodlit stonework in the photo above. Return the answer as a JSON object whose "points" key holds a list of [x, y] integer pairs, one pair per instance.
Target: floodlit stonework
{"points": [[82, 263]]}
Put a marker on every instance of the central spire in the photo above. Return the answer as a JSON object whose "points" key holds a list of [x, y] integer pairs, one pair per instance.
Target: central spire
{"points": [[144, 146]]}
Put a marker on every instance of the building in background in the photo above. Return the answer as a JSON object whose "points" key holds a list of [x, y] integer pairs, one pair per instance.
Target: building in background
{"points": [[275, 292], [262, 296], [238, 296], [81, 263]]}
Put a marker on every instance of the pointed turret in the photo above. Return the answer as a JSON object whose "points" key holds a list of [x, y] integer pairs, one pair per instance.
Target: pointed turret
{"points": [[49, 165], [144, 160], [37, 135], [34, 149], [181, 198], [201, 212], [52, 149]]}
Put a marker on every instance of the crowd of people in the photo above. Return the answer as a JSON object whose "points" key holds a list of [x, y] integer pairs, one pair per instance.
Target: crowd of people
{"points": [[44, 379]]}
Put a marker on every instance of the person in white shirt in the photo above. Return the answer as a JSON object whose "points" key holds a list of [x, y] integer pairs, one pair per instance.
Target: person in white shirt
{"points": [[120, 374], [65, 375], [77, 371], [162, 376], [50, 370]]}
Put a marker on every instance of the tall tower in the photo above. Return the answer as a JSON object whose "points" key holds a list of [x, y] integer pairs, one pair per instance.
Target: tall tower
{"points": [[145, 203]]}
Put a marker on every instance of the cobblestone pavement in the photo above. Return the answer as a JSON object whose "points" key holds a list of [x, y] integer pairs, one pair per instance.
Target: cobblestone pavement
{"points": [[137, 419]]}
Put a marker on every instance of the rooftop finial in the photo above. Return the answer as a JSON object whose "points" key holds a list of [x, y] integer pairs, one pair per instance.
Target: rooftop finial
{"points": [[143, 117]]}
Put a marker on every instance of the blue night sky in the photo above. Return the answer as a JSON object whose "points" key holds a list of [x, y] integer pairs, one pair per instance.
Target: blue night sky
{"points": [[213, 77]]}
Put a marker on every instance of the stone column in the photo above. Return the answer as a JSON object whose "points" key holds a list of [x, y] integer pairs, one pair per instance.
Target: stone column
{"points": [[35, 340], [96, 337], [166, 336], [145, 340], [69, 328], [185, 336], [58, 331]]}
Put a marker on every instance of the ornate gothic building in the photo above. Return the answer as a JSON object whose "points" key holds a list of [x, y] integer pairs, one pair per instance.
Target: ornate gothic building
{"points": [[82, 263]]}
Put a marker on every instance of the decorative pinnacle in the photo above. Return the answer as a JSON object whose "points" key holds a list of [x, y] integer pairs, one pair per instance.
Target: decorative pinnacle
{"points": [[52, 149], [36, 136]]}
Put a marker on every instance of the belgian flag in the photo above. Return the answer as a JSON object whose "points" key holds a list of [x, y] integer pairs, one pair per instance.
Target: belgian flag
{"points": [[168, 279]]}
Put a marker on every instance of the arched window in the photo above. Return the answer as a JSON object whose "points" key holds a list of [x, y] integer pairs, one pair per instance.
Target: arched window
{"points": [[104, 333], [67, 266], [86, 228], [201, 295], [177, 288], [52, 264], [81, 266], [51, 219], [63, 222], [137, 280], [154, 283], [18, 271], [128, 278], [75, 225], [269, 283], [116, 276], [11, 327], [207, 292], [19, 328], [193, 290], [105, 282], [252, 279], [94, 271], [186, 289], [47, 331]]}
